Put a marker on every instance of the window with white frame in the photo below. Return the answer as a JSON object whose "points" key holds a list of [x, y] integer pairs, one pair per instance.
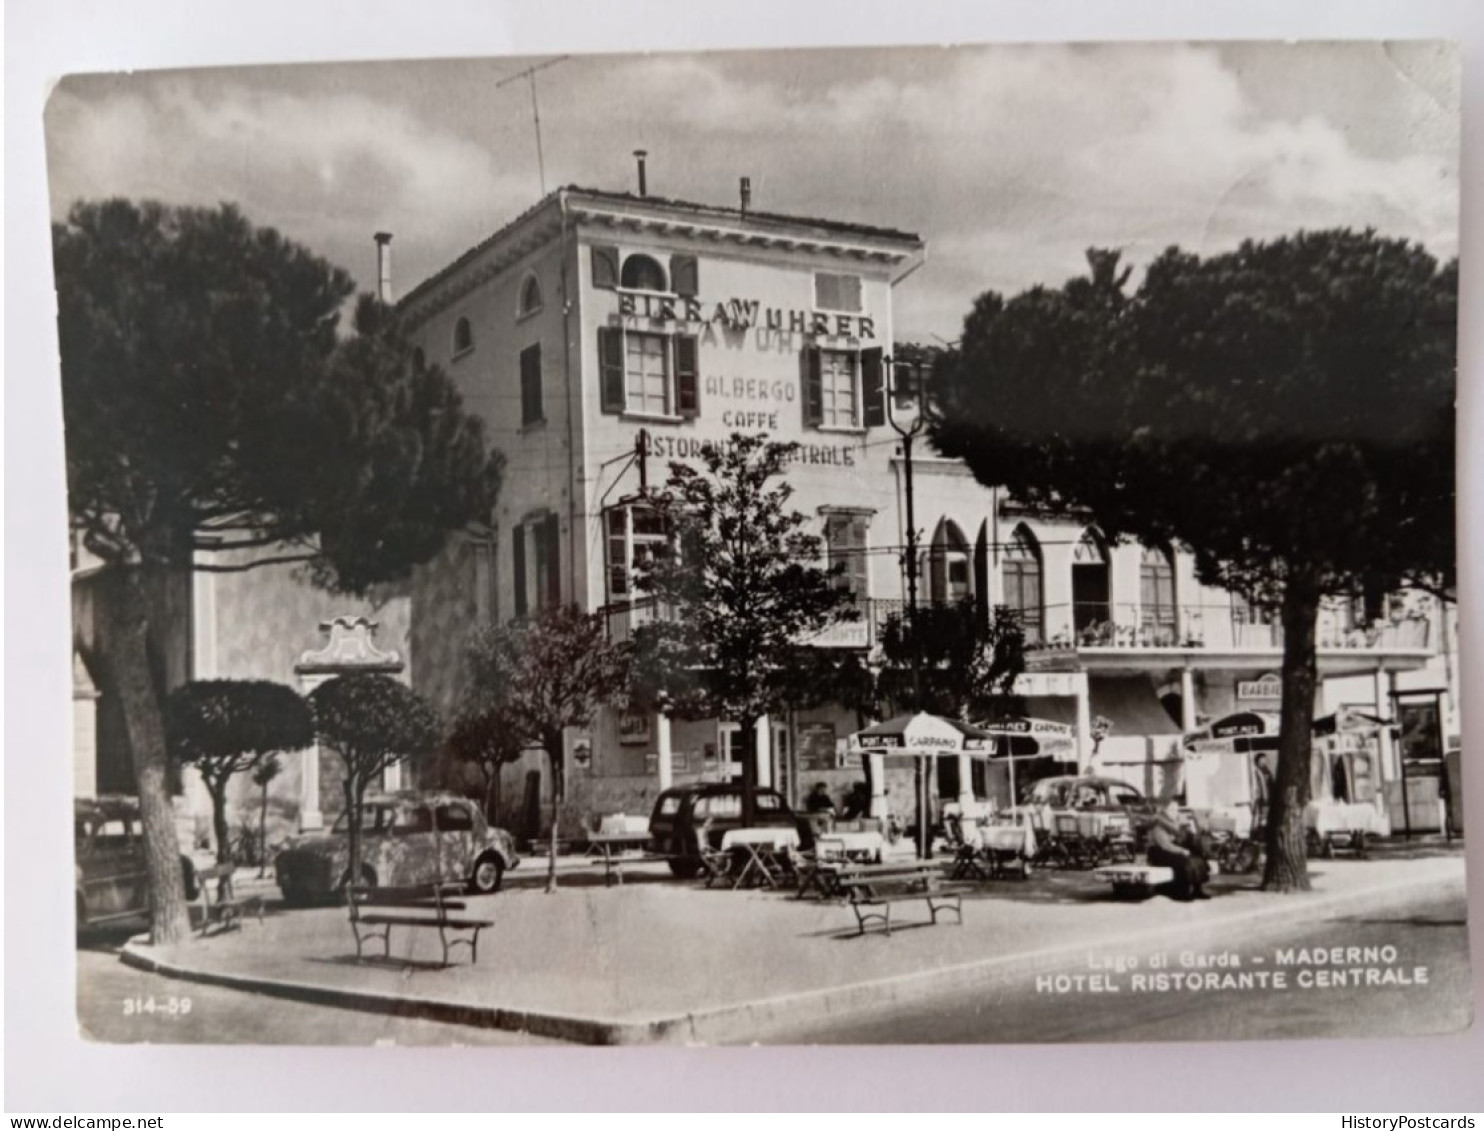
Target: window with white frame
{"points": [[846, 538], [635, 536], [646, 374], [837, 389]]}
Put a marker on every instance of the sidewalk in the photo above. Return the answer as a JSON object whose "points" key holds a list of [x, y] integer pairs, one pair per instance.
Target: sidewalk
{"points": [[662, 960]]}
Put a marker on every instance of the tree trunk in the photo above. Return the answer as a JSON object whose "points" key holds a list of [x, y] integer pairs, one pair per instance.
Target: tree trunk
{"points": [[747, 736], [127, 661], [352, 790], [553, 746], [1287, 859], [217, 787]]}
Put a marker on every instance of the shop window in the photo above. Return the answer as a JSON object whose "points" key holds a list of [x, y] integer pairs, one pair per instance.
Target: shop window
{"points": [[643, 273], [847, 545], [1021, 574], [1157, 597], [635, 535], [463, 336], [530, 385], [530, 296], [535, 549], [649, 374], [837, 292]]}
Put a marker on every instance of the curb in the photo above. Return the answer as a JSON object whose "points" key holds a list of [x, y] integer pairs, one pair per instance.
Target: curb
{"points": [[726, 1023]]}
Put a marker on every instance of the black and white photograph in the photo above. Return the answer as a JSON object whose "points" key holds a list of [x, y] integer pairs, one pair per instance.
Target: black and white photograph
{"points": [[862, 546]]}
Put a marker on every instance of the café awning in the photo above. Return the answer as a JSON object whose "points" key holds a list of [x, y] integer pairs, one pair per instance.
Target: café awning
{"points": [[922, 735]]}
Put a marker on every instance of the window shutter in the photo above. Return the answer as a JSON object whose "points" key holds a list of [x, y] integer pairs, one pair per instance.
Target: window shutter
{"points": [[518, 574], [530, 385], [553, 577], [873, 388], [687, 380], [605, 266], [813, 388], [610, 367], [684, 277]]}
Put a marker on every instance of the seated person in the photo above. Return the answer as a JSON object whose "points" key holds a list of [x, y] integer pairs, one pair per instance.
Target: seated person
{"points": [[857, 802], [818, 800], [1168, 850]]}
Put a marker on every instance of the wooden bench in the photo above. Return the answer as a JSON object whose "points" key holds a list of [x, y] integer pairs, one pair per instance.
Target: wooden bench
{"points": [[873, 892], [410, 907], [220, 906], [1134, 880]]}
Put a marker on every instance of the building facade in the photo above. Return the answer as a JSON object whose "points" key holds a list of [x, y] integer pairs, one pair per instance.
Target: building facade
{"points": [[602, 336]]}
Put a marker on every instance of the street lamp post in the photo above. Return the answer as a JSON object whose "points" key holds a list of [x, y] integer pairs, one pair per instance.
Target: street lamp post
{"points": [[893, 390]]}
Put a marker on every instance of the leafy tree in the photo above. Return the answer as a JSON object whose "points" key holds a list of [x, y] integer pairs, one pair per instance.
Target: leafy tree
{"points": [[262, 776], [230, 726], [1284, 410], [967, 667], [487, 740], [743, 592], [542, 675], [213, 408], [372, 721]]}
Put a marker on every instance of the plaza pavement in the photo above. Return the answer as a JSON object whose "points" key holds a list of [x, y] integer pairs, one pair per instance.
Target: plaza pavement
{"points": [[663, 960]]}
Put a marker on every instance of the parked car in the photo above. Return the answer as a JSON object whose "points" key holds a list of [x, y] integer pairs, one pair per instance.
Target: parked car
{"points": [[1094, 794], [109, 865], [407, 840], [683, 816]]}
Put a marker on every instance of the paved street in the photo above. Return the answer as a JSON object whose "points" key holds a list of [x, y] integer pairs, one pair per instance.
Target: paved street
{"points": [[1428, 931], [222, 1016]]}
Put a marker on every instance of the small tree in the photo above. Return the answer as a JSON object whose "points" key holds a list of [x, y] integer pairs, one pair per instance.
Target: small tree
{"points": [[487, 741], [967, 666], [262, 776], [743, 592], [230, 726], [541, 676], [372, 721], [1285, 411]]}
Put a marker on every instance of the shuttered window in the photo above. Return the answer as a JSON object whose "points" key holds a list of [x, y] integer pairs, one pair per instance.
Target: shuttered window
{"points": [[605, 266], [649, 374], [873, 388], [610, 367], [837, 292], [837, 384], [684, 276], [530, 385], [518, 568], [687, 379]]}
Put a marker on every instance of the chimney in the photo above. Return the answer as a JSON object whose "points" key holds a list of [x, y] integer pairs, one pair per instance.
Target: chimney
{"points": [[746, 195], [384, 267], [640, 155]]}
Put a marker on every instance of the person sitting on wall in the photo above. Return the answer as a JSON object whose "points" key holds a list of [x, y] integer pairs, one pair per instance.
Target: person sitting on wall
{"points": [[1169, 848]]}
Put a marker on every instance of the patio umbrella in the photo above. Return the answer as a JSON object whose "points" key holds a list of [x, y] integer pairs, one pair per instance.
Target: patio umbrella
{"points": [[922, 736], [1246, 732], [1026, 739]]}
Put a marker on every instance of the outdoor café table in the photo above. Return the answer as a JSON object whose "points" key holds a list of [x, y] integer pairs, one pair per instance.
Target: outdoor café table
{"points": [[758, 850], [999, 843], [860, 848], [609, 845]]}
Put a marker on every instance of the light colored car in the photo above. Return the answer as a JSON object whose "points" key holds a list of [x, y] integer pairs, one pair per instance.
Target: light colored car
{"points": [[407, 840], [111, 879]]}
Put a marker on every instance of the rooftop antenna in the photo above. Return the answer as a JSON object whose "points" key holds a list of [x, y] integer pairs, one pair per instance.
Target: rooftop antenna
{"points": [[530, 75]]}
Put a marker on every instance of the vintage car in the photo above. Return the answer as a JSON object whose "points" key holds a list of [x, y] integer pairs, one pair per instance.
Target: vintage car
{"points": [[112, 882], [407, 840], [683, 816], [1085, 792]]}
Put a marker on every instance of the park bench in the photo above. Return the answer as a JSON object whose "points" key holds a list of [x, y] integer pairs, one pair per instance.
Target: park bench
{"points": [[418, 907], [220, 906], [1133, 880], [874, 891]]}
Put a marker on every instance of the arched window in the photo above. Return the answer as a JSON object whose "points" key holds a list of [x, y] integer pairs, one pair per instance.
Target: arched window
{"points": [[950, 573], [1157, 621], [1021, 574], [642, 273], [530, 296], [463, 336], [1092, 615]]}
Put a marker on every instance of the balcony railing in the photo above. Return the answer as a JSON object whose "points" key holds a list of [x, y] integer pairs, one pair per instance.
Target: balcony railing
{"points": [[1123, 627]]}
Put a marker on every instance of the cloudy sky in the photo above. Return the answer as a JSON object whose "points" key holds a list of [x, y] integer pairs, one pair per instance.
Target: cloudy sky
{"points": [[1009, 161]]}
